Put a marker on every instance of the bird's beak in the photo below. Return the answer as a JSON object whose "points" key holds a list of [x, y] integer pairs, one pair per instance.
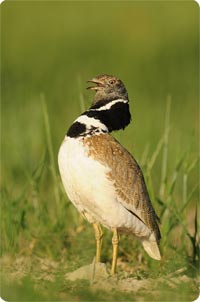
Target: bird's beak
{"points": [[97, 82]]}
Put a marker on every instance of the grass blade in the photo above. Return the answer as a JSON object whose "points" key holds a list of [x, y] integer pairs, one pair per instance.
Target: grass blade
{"points": [[50, 149], [165, 148]]}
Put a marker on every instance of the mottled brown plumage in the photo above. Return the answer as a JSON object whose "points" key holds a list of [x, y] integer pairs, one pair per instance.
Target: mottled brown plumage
{"points": [[127, 177]]}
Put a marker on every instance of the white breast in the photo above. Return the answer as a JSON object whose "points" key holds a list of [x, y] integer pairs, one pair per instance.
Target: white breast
{"points": [[87, 186]]}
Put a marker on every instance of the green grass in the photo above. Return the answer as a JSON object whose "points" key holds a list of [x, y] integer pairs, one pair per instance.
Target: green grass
{"points": [[49, 50]]}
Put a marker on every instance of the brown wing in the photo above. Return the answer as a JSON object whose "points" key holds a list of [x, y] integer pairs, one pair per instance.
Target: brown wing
{"points": [[128, 178]]}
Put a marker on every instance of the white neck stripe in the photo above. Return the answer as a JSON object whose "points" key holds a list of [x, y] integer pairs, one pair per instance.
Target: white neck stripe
{"points": [[109, 105], [91, 122]]}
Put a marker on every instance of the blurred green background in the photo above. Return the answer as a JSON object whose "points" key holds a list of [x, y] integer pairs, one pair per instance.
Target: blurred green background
{"points": [[49, 50]]}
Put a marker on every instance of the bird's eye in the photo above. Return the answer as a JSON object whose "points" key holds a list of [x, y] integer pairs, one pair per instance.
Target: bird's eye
{"points": [[111, 82]]}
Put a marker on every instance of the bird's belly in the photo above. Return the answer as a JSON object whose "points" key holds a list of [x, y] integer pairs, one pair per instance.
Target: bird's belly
{"points": [[85, 180], [91, 191]]}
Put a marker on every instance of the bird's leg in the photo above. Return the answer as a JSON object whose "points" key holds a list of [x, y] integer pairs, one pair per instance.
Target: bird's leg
{"points": [[115, 241], [98, 237]]}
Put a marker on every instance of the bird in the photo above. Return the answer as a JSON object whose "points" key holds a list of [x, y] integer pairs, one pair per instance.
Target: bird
{"points": [[101, 178]]}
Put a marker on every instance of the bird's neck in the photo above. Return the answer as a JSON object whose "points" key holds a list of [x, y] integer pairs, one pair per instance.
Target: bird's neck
{"points": [[103, 117]]}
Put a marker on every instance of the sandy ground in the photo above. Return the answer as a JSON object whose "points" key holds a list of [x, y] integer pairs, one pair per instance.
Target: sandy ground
{"points": [[97, 275]]}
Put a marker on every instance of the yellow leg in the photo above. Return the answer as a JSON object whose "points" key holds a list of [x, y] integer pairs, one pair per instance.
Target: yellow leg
{"points": [[98, 237], [115, 241]]}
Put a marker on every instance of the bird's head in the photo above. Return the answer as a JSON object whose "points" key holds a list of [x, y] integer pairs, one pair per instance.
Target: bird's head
{"points": [[108, 88]]}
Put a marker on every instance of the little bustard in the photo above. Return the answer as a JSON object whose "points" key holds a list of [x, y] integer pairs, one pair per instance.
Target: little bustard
{"points": [[101, 178]]}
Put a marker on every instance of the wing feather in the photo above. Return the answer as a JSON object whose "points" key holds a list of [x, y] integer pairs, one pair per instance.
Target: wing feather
{"points": [[127, 178]]}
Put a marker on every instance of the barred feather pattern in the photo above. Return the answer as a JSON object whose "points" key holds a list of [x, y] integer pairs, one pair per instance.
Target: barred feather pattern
{"points": [[127, 177]]}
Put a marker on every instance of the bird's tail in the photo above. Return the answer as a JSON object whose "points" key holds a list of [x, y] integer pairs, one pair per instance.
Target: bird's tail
{"points": [[152, 249]]}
